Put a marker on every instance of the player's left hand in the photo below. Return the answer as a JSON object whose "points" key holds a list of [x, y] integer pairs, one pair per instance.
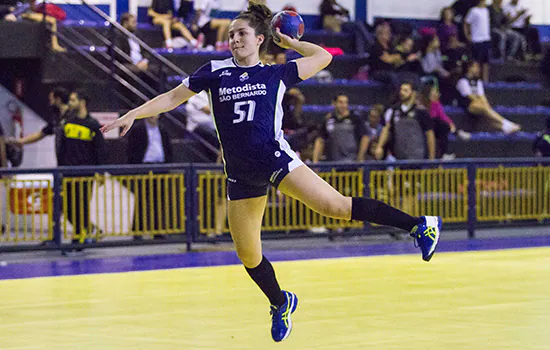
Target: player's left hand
{"points": [[283, 40]]}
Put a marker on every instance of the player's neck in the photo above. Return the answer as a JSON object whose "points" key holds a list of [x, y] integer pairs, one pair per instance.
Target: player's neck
{"points": [[248, 61]]}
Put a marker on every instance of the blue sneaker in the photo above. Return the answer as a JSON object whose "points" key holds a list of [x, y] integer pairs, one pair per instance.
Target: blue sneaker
{"points": [[426, 235], [281, 324]]}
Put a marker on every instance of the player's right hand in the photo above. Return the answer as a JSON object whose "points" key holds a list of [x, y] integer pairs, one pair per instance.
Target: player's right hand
{"points": [[126, 122]]}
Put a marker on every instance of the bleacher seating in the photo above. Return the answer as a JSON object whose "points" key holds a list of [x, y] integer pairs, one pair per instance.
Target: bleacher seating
{"points": [[515, 91]]}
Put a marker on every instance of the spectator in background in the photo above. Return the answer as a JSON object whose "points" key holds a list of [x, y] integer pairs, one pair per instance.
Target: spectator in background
{"points": [[200, 121], [344, 132], [411, 60], [503, 33], [333, 15], [207, 23], [293, 126], [374, 127], [447, 27], [30, 11], [162, 14], [148, 143], [409, 127], [432, 59], [477, 28], [59, 108], [520, 21], [442, 124], [383, 58], [472, 99], [81, 143], [541, 146]]}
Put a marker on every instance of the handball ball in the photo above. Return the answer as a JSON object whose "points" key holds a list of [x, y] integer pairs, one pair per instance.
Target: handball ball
{"points": [[289, 23]]}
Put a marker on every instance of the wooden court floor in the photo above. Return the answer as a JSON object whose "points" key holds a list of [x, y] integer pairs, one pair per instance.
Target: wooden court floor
{"points": [[468, 300]]}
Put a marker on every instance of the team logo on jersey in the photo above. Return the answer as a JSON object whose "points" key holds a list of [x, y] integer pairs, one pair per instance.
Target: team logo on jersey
{"points": [[243, 76], [225, 73]]}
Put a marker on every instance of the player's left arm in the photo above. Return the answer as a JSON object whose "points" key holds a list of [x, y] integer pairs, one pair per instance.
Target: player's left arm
{"points": [[315, 57]]}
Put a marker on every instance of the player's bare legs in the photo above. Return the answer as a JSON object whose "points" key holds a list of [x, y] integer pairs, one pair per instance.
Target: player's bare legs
{"points": [[307, 187], [245, 223]]}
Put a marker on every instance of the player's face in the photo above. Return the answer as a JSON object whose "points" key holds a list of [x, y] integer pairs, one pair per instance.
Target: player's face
{"points": [[243, 40]]}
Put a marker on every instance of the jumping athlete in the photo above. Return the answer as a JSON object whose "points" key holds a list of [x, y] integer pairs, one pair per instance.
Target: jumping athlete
{"points": [[245, 98]]}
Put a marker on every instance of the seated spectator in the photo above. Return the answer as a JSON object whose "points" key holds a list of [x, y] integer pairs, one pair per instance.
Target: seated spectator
{"points": [[541, 146], [207, 23], [130, 47], [442, 124], [383, 58], [32, 12], [503, 33], [411, 60], [135, 62], [200, 121], [455, 57], [432, 59], [447, 28], [333, 15], [162, 14], [477, 28], [408, 127], [344, 133], [520, 21], [472, 99]]}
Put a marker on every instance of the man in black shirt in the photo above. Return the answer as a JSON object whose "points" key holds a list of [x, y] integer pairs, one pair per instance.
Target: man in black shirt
{"points": [[59, 110], [345, 133], [81, 143], [409, 127]]}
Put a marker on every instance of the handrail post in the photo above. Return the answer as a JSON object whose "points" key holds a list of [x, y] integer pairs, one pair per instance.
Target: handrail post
{"points": [[112, 82], [57, 207], [190, 205], [366, 185], [472, 205]]}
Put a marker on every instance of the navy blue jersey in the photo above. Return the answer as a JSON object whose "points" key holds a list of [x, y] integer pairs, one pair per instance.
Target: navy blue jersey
{"points": [[247, 110]]}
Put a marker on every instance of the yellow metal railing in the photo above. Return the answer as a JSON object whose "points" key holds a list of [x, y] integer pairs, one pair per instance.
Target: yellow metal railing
{"points": [[282, 212], [521, 193], [29, 214], [441, 192], [134, 205]]}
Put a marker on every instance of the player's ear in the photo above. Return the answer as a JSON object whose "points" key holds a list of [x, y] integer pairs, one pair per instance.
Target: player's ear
{"points": [[260, 38]]}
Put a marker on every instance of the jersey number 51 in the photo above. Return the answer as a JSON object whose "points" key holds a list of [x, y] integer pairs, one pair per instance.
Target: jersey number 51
{"points": [[241, 111]]}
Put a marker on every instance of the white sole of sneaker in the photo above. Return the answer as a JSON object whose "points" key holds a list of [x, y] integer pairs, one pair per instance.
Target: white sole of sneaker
{"points": [[292, 306], [434, 221]]}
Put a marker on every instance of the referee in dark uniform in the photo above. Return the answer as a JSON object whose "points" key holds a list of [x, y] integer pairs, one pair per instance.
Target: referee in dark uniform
{"points": [[80, 143]]}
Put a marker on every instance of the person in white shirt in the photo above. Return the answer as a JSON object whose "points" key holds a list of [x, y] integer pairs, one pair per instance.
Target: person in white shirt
{"points": [[472, 98], [519, 18], [199, 119], [205, 22], [149, 143], [477, 28]]}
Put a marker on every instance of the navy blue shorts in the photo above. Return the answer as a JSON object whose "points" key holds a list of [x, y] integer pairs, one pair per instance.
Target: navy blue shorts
{"points": [[255, 182], [481, 51]]}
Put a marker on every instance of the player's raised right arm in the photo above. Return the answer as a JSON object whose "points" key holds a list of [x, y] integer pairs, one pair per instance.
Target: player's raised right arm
{"points": [[160, 104]]}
